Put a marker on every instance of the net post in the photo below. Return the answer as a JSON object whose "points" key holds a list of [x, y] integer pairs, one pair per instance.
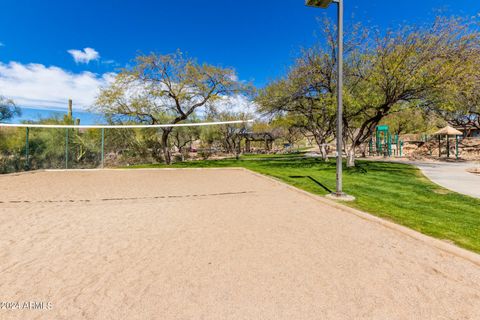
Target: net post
{"points": [[66, 148], [27, 149], [103, 148]]}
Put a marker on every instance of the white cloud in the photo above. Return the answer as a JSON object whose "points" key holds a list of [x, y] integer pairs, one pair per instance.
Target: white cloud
{"points": [[236, 104], [39, 86], [36, 85], [109, 61], [84, 56]]}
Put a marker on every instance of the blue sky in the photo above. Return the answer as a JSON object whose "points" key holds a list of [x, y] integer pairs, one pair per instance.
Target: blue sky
{"points": [[259, 38]]}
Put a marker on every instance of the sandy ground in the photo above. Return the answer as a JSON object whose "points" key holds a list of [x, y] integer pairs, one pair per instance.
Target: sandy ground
{"points": [[211, 244]]}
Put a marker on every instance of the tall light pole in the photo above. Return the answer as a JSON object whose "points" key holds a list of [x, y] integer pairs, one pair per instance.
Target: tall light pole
{"points": [[325, 4]]}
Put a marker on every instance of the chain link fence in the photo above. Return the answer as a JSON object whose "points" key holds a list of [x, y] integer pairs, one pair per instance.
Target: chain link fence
{"points": [[27, 147], [23, 149]]}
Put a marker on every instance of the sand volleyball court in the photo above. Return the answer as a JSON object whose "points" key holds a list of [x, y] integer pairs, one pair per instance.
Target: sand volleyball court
{"points": [[211, 244]]}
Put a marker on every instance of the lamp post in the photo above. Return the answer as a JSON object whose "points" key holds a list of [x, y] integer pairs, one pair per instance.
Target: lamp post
{"points": [[339, 195]]}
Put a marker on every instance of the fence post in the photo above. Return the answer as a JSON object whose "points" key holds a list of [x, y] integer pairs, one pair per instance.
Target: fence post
{"points": [[103, 148], [66, 148], [27, 149]]}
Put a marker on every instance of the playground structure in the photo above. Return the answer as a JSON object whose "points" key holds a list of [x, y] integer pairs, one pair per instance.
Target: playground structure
{"points": [[384, 144]]}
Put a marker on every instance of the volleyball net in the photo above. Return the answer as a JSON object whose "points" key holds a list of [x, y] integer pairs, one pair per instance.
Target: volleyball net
{"points": [[31, 146]]}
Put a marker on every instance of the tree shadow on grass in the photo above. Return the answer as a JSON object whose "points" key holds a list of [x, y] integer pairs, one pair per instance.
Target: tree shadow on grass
{"points": [[314, 180], [365, 166], [358, 169]]}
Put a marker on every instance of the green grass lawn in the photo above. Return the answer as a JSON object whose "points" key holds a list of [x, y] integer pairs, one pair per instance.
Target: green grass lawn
{"points": [[396, 192]]}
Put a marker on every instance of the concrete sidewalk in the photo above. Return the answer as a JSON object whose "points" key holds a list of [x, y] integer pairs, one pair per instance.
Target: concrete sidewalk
{"points": [[453, 176]]}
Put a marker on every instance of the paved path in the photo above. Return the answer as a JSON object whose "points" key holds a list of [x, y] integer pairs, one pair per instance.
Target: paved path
{"points": [[452, 176], [214, 244]]}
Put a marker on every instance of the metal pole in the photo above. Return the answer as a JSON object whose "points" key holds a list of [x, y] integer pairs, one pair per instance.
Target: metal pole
{"points": [[103, 145], [439, 147], [448, 146], [379, 142], [27, 149], [456, 147], [397, 144], [340, 100], [389, 143], [66, 148]]}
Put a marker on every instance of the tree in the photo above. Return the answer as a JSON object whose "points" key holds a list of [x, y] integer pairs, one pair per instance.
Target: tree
{"points": [[8, 109], [306, 96], [287, 128], [412, 120], [411, 67], [166, 89], [182, 137], [460, 106], [230, 135]]}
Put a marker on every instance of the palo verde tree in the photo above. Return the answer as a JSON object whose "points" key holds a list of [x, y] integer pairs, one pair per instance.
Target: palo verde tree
{"points": [[286, 128], [183, 137], [166, 89], [230, 136], [413, 120], [460, 105], [411, 67], [305, 96]]}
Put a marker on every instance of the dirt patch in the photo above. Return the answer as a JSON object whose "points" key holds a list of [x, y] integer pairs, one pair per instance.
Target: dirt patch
{"points": [[442, 191], [474, 170]]}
